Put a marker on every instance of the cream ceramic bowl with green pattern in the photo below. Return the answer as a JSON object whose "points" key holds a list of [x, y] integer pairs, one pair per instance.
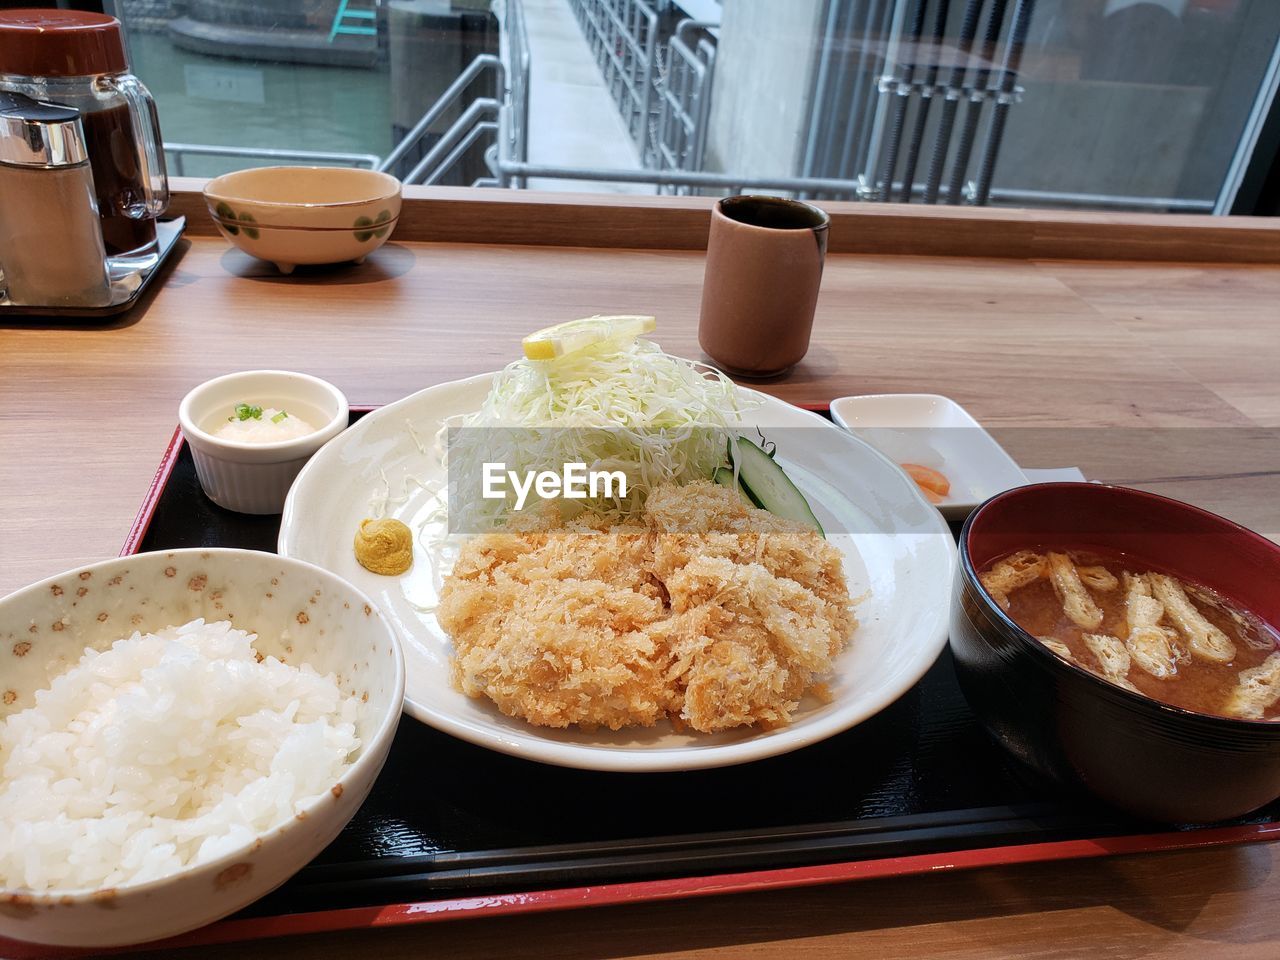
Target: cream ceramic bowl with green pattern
{"points": [[311, 215]]}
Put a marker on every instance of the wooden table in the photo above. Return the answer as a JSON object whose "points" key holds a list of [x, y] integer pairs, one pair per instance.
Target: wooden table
{"points": [[1160, 373]]}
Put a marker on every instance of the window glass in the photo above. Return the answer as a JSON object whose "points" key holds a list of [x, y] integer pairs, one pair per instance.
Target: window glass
{"points": [[1128, 104]]}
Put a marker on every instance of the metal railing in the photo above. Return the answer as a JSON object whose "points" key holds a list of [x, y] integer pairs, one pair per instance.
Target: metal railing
{"points": [[676, 135], [513, 119], [984, 72], [177, 154], [503, 118], [623, 38], [839, 189], [684, 98], [432, 167]]}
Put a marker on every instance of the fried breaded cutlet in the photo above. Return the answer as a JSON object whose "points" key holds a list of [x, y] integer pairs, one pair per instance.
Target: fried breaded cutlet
{"points": [[709, 612]]}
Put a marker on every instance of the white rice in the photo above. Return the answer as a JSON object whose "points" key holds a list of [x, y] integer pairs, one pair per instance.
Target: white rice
{"points": [[167, 749]]}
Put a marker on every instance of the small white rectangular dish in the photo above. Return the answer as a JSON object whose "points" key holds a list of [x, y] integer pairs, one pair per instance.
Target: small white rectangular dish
{"points": [[933, 431]]}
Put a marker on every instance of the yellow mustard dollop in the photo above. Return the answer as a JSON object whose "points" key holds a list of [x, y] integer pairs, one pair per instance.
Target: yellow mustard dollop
{"points": [[384, 546]]}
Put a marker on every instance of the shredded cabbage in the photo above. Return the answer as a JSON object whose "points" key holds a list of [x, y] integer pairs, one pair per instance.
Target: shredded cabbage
{"points": [[620, 404]]}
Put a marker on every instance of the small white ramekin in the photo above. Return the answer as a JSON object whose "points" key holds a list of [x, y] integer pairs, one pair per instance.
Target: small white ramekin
{"points": [[255, 477]]}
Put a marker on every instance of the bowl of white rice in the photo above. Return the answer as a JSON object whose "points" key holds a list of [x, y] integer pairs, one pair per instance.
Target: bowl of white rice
{"points": [[179, 734]]}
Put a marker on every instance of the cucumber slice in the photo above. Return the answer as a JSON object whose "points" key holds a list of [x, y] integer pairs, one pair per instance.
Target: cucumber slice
{"points": [[768, 485], [724, 477]]}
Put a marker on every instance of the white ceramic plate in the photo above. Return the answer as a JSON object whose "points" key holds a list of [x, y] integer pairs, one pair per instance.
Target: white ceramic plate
{"points": [[895, 544], [937, 432]]}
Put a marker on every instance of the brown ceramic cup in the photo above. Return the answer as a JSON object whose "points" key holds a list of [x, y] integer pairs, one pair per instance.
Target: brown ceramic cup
{"points": [[764, 266]]}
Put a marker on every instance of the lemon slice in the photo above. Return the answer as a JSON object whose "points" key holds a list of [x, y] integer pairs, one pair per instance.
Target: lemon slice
{"points": [[561, 338]]}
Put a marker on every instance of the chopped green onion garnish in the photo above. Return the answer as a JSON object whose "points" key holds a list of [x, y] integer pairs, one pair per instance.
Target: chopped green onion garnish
{"points": [[246, 412], [279, 416]]}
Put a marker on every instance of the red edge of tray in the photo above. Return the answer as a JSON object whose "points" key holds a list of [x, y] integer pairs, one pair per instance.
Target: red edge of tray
{"points": [[569, 898], [138, 529]]}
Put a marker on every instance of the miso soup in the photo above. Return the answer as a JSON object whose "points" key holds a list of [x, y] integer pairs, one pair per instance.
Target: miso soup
{"points": [[1148, 631]]}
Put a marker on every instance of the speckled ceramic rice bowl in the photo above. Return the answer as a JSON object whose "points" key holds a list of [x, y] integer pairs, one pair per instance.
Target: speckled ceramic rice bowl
{"points": [[301, 615]]}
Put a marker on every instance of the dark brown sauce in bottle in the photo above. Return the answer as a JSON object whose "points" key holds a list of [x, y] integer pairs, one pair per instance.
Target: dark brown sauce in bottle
{"points": [[117, 181]]}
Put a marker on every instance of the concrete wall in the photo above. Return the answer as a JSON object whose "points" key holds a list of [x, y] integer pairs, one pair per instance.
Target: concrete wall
{"points": [[269, 14], [764, 78], [1088, 137], [1154, 114]]}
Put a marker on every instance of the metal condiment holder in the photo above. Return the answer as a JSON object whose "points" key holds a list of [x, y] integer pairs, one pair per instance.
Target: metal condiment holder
{"points": [[127, 286]]}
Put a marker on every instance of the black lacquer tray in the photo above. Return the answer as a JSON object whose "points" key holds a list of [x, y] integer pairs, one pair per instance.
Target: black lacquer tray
{"points": [[452, 829]]}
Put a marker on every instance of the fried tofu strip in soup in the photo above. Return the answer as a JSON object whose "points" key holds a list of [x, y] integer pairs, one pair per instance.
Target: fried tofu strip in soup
{"points": [[1076, 602], [1204, 639], [1012, 573], [1150, 645], [1098, 578], [1112, 656], [1259, 688], [1059, 648]]}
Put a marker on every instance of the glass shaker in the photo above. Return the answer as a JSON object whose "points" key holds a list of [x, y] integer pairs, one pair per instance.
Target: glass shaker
{"points": [[51, 250], [77, 58]]}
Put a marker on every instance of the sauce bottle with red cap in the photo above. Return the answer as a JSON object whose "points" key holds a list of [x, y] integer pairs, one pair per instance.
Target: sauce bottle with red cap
{"points": [[77, 58]]}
